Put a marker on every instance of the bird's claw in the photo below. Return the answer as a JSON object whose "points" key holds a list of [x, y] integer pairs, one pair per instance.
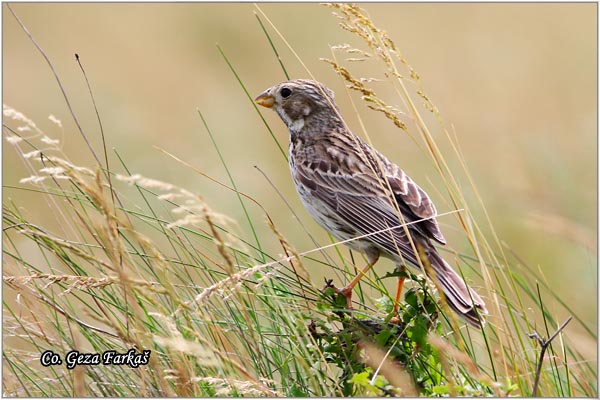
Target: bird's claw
{"points": [[345, 291], [329, 284]]}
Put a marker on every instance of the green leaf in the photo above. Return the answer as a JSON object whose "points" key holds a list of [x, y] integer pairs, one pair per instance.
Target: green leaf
{"points": [[382, 337], [296, 391], [420, 330]]}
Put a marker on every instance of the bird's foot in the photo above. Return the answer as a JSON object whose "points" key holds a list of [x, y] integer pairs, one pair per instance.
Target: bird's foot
{"points": [[345, 291]]}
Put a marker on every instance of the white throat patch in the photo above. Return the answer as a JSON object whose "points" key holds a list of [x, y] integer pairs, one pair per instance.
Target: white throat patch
{"points": [[297, 125], [294, 126]]}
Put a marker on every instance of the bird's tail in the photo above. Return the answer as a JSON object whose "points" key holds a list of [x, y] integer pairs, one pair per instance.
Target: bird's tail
{"points": [[460, 297]]}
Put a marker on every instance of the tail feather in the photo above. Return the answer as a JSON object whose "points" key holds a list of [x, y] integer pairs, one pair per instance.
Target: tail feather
{"points": [[461, 298]]}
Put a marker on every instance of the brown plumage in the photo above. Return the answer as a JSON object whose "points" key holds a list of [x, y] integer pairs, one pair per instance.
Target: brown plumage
{"points": [[353, 190]]}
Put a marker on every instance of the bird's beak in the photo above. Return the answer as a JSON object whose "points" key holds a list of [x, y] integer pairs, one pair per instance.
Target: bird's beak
{"points": [[265, 99]]}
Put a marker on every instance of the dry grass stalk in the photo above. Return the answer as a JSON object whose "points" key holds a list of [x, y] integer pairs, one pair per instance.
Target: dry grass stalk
{"points": [[374, 102], [447, 353], [378, 360], [76, 282]]}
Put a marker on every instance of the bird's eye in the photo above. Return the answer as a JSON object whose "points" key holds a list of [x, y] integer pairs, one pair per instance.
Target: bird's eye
{"points": [[286, 92]]}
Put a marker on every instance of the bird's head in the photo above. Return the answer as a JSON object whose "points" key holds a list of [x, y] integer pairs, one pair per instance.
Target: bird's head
{"points": [[299, 101]]}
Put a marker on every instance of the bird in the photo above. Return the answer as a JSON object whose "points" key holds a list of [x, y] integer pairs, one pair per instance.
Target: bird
{"points": [[360, 196]]}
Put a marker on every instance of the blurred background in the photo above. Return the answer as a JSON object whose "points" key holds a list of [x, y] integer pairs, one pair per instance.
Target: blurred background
{"points": [[517, 83]]}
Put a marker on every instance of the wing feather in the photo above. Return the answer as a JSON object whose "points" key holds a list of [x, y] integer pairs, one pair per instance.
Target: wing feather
{"points": [[364, 197]]}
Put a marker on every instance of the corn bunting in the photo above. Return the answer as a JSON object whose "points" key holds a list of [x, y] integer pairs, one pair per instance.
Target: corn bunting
{"points": [[360, 196]]}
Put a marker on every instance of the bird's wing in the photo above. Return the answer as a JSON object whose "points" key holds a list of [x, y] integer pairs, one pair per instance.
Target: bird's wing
{"points": [[358, 211], [350, 183], [408, 193]]}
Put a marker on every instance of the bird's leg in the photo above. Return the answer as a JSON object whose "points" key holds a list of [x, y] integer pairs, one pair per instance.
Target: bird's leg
{"points": [[346, 291], [399, 290]]}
